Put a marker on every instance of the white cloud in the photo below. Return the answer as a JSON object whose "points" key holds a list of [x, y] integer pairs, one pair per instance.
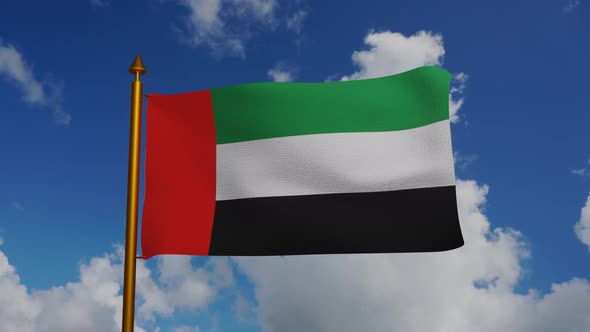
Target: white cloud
{"points": [[391, 53], [18, 310], [571, 6], [222, 25], [155, 299], [582, 227], [180, 285], [13, 66], [183, 285], [278, 75], [262, 10], [461, 80], [204, 26], [458, 85], [468, 289], [582, 171], [15, 69], [295, 22], [94, 303], [282, 72]]}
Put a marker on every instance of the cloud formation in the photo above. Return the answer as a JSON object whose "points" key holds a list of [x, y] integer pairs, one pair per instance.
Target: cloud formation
{"points": [[281, 73], [582, 227], [458, 85], [47, 95], [280, 76], [223, 25], [392, 53], [94, 302], [295, 21], [585, 171]]}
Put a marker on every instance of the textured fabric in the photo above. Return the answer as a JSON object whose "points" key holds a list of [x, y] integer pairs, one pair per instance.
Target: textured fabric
{"points": [[302, 168], [265, 110], [179, 202], [336, 163], [415, 220]]}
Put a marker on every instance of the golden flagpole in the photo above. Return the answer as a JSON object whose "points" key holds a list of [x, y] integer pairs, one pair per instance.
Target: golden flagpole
{"points": [[137, 68]]}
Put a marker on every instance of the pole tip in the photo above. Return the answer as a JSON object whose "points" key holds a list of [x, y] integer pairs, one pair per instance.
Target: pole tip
{"points": [[137, 66]]}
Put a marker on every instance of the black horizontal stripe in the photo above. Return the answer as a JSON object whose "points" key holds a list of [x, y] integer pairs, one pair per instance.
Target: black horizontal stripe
{"points": [[415, 220]]}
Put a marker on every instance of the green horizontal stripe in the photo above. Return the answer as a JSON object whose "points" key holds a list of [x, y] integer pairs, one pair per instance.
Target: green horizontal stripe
{"points": [[266, 110]]}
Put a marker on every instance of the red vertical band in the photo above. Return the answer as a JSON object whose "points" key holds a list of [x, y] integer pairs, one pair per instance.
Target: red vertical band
{"points": [[179, 203]]}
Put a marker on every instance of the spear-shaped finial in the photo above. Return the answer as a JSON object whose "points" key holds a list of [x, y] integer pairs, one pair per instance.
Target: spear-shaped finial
{"points": [[137, 66]]}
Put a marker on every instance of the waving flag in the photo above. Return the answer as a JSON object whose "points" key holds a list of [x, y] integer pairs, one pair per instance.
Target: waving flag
{"points": [[302, 168]]}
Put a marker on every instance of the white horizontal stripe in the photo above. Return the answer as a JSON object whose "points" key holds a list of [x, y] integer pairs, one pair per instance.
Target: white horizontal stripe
{"points": [[336, 163]]}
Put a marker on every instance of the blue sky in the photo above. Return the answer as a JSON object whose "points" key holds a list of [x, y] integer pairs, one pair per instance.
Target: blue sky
{"points": [[520, 133]]}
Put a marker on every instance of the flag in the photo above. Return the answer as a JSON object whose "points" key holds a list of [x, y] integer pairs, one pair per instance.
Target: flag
{"points": [[302, 168]]}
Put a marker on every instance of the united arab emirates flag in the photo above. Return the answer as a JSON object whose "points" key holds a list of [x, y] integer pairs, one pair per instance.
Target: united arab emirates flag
{"points": [[302, 168]]}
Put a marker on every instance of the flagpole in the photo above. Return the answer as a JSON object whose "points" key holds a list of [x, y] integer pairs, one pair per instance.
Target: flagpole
{"points": [[137, 68]]}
